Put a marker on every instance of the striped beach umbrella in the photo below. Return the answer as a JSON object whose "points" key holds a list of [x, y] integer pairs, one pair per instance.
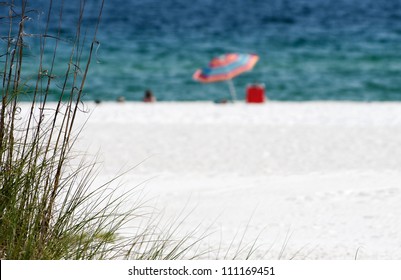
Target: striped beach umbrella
{"points": [[225, 68]]}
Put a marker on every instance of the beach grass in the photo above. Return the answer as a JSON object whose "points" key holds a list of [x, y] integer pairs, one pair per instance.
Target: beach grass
{"points": [[51, 205], [49, 208], [39, 200]]}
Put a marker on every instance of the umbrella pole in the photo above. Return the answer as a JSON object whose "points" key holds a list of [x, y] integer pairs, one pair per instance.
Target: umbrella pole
{"points": [[232, 90]]}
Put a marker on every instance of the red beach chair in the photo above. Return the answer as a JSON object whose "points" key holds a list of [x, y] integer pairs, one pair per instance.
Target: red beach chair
{"points": [[255, 93]]}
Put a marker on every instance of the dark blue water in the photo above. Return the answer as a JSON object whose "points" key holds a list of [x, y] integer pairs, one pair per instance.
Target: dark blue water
{"points": [[309, 49]]}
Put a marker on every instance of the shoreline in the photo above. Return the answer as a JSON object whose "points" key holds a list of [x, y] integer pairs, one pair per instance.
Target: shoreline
{"points": [[325, 173]]}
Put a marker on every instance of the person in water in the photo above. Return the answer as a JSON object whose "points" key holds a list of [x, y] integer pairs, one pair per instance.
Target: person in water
{"points": [[149, 97]]}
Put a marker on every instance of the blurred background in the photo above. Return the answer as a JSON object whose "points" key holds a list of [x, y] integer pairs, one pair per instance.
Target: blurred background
{"points": [[309, 49]]}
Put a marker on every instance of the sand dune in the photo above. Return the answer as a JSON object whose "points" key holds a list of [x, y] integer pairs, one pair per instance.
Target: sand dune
{"points": [[322, 177]]}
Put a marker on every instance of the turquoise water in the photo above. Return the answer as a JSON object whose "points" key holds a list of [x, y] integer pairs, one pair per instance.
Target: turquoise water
{"points": [[309, 49]]}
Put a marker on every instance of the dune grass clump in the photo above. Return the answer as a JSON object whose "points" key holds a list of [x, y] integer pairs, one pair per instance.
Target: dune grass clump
{"points": [[50, 205], [40, 201], [50, 208]]}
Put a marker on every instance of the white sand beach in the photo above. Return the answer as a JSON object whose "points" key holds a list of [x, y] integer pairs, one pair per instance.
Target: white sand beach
{"points": [[320, 179]]}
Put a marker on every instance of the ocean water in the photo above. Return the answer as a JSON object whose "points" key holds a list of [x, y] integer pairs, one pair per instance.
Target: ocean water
{"points": [[309, 49]]}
